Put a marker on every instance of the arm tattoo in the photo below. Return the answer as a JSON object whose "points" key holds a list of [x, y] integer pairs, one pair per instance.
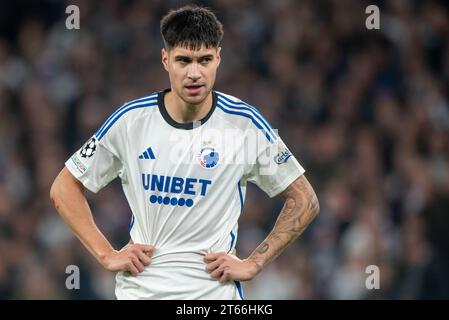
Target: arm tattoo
{"points": [[300, 208]]}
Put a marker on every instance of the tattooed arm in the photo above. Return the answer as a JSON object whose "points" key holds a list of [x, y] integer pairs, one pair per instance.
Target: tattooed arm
{"points": [[300, 208]]}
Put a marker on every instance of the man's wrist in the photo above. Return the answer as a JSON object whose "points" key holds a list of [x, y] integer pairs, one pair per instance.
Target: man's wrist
{"points": [[103, 256], [255, 267]]}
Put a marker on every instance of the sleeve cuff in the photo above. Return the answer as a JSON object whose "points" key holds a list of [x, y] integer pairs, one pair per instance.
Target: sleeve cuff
{"points": [[74, 171], [285, 183]]}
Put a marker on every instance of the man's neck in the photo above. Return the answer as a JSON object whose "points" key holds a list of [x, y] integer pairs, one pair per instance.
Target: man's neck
{"points": [[183, 112]]}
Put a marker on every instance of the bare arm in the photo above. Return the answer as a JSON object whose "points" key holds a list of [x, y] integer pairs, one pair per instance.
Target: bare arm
{"points": [[300, 208], [67, 195]]}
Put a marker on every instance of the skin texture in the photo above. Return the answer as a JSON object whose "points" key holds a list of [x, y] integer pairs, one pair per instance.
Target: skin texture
{"points": [[300, 208], [186, 69]]}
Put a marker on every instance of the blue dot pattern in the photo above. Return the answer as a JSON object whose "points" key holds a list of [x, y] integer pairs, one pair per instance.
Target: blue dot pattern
{"points": [[171, 201]]}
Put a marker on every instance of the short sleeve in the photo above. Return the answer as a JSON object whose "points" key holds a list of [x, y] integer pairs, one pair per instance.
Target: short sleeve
{"points": [[275, 168], [94, 165]]}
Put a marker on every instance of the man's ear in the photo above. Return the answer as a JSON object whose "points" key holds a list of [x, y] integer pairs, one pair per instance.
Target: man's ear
{"points": [[164, 57], [218, 56]]}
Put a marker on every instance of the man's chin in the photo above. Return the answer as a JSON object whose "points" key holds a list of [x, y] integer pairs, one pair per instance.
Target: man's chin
{"points": [[195, 99]]}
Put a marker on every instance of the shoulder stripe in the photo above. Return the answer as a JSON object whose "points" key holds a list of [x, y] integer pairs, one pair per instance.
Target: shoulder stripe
{"points": [[257, 124], [145, 99], [233, 104], [118, 115], [256, 114]]}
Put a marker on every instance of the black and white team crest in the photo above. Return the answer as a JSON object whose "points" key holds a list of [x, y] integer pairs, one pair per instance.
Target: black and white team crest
{"points": [[89, 148]]}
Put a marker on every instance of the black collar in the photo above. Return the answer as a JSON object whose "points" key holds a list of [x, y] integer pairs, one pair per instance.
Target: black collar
{"points": [[187, 125]]}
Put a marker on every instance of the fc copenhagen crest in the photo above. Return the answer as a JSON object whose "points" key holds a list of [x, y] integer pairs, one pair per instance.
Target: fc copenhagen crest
{"points": [[208, 157]]}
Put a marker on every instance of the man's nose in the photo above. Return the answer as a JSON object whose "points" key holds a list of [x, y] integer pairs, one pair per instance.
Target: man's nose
{"points": [[194, 72]]}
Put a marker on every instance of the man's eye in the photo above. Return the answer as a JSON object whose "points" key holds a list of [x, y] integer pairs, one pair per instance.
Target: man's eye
{"points": [[206, 60]]}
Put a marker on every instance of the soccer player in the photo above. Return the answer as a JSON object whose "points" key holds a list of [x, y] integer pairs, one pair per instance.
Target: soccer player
{"points": [[184, 156]]}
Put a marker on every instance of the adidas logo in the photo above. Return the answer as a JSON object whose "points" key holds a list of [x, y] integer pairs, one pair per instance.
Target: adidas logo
{"points": [[147, 154]]}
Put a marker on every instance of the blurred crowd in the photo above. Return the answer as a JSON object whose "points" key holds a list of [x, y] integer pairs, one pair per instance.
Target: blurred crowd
{"points": [[366, 112]]}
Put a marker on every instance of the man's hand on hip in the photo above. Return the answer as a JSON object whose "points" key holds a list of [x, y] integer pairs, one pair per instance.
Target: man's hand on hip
{"points": [[227, 267], [132, 258]]}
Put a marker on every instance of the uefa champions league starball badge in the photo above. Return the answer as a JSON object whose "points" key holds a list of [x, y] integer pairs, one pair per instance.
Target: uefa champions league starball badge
{"points": [[89, 148]]}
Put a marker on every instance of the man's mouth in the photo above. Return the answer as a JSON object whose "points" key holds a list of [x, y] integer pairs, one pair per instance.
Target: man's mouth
{"points": [[194, 88]]}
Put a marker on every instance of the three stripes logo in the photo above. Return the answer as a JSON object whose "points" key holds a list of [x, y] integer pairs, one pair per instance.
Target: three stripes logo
{"points": [[147, 154]]}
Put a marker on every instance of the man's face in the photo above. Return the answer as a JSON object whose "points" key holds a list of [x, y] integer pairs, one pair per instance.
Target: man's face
{"points": [[192, 72]]}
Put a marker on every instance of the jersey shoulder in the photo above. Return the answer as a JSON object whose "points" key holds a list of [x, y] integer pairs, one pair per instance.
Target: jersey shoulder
{"points": [[128, 112], [244, 115]]}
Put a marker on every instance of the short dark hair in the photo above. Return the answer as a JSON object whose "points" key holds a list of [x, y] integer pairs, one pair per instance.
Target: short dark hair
{"points": [[191, 27]]}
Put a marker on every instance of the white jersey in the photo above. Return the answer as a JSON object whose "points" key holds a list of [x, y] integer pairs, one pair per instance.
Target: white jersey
{"points": [[185, 184]]}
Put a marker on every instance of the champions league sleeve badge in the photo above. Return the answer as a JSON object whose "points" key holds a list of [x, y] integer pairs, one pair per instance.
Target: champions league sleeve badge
{"points": [[89, 148]]}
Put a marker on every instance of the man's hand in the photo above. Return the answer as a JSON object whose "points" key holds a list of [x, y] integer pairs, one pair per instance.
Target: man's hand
{"points": [[227, 267], [132, 258]]}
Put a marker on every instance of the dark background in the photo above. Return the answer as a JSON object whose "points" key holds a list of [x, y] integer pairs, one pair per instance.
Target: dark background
{"points": [[366, 112]]}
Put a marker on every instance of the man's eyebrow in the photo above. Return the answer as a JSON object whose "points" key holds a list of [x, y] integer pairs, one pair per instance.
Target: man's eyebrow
{"points": [[206, 56], [180, 56]]}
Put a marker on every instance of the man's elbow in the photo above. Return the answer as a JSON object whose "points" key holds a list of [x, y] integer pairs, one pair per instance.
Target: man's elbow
{"points": [[62, 185], [314, 206], [55, 191], [317, 207]]}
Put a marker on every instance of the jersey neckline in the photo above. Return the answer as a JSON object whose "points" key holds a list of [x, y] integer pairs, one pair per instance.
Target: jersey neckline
{"points": [[186, 125]]}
